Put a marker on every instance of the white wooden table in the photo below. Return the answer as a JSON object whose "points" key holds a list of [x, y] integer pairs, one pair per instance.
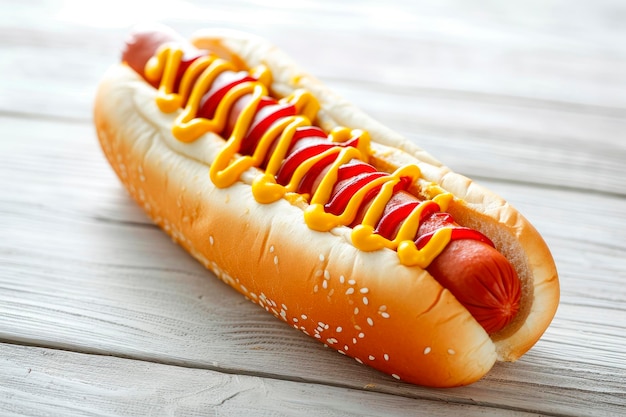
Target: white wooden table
{"points": [[101, 314]]}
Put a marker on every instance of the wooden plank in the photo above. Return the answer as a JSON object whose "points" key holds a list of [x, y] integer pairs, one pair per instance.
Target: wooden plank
{"points": [[83, 270], [45, 382], [503, 51]]}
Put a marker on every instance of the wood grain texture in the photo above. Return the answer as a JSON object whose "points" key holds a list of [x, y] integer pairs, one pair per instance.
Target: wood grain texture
{"points": [[39, 382], [528, 98]]}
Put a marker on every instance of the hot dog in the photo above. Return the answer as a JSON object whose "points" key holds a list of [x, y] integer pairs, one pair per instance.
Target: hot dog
{"points": [[375, 249]]}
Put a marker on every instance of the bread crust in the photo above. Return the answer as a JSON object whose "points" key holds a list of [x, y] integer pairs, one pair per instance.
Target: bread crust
{"points": [[366, 305]]}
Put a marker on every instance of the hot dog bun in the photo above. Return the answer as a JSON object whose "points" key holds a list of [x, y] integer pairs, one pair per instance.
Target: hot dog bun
{"points": [[366, 305]]}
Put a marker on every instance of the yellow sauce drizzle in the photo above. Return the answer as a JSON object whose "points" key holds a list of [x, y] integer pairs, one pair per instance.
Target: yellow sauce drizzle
{"points": [[229, 166]]}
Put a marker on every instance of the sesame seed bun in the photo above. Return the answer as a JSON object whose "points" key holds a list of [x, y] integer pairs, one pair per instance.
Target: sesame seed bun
{"points": [[365, 305]]}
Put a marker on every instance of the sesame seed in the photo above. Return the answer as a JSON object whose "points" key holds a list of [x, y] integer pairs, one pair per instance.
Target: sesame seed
{"points": [[352, 282], [320, 324], [331, 292], [324, 284], [272, 249], [370, 321], [326, 274], [303, 316], [354, 340], [358, 360], [386, 357], [342, 279], [361, 335], [284, 307], [395, 376], [342, 352], [211, 240], [365, 301], [319, 273], [356, 311], [364, 290], [427, 350], [345, 347], [382, 308], [385, 315], [295, 319], [317, 336], [350, 291], [451, 351], [370, 357], [275, 260], [339, 329], [321, 257], [316, 288]]}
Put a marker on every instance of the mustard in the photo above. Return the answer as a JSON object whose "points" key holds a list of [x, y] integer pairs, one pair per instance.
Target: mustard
{"points": [[229, 165]]}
